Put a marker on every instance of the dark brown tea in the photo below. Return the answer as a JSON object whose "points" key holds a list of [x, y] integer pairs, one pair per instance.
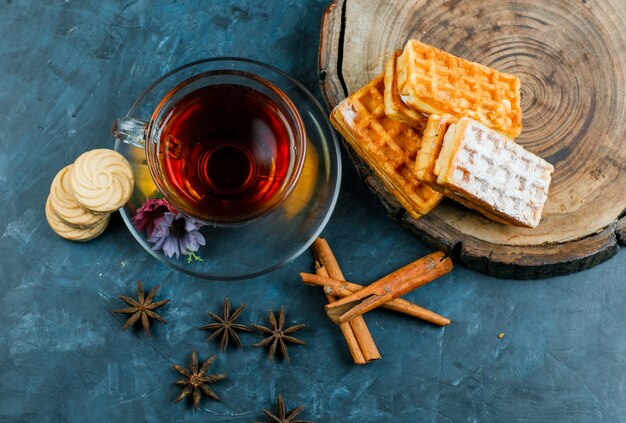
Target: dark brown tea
{"points": [[225, 150]]}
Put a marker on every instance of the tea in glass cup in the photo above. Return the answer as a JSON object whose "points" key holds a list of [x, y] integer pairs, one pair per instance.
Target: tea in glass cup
{"points": [[224, 147]]}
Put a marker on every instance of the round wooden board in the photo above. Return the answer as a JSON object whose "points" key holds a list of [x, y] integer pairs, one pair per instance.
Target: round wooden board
{"points": [[571, 59]]}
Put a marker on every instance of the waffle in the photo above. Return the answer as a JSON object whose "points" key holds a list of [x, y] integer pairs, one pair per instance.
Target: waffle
{"points": [[492, 174], [387, 146], [394, 106], [430, 148], [427, 157], [430, 80]]}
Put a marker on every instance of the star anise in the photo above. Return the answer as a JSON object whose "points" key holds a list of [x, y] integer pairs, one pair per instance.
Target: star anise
{"points": [[196, 381], [142, 308], [226, 326], [278, 335], [284, 416]]}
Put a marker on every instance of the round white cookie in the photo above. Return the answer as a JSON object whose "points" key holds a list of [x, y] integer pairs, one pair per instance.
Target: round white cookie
{"points": [[101, 180], [66, 207], [70, 233]]}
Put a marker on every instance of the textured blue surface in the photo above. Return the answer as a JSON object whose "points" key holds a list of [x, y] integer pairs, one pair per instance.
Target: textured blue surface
{"points": [[66, 70]]}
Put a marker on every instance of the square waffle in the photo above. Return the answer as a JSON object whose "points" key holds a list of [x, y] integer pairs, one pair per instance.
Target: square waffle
{"points": [[433, 81], [394, 106], [492, 174], [429, 153], [387, 146]]}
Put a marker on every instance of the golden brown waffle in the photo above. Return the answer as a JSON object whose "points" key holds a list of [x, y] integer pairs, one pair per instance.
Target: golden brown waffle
{"points": [[433, 81], [492, 174], [387, 146], [430, 148], [394, 106]]}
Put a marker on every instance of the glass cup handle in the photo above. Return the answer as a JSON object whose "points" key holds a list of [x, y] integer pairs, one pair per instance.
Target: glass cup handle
{"points": [[131, 131]]}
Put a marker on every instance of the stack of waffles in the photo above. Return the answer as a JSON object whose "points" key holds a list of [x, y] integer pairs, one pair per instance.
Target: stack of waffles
{"points": [[436, 125]]}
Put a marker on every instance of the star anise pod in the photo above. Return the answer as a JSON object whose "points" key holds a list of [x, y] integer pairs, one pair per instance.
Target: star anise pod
{"points": [[278, 335], [284, 416], [196, 381], [142, 308], [226, 326]]}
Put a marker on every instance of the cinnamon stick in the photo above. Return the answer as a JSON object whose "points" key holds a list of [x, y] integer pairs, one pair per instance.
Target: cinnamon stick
{"points": [[412, 276], [346, 329], [327, 259], [343, 289]]}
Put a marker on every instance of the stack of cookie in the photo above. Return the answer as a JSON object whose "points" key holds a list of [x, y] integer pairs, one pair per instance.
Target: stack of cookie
{"points": [[434, 124], [84, 194]]}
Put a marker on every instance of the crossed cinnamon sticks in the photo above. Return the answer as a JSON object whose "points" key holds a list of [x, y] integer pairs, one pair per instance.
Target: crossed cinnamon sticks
{"points": [[347, 312]]}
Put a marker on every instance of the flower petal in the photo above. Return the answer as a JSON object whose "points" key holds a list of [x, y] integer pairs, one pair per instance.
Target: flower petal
{"points": [[189, 225], [199, 237], [168, 218], [183, 246], [158, 243], [160, 223], [170, 247], [150, 229], [188, 242]]}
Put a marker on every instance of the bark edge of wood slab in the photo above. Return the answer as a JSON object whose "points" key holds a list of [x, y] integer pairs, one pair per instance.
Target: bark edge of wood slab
{"points": [[571, 59]]}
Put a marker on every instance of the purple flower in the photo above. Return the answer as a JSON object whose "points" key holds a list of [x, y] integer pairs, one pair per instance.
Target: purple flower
{"points": [[176, 234], [149, 212]]}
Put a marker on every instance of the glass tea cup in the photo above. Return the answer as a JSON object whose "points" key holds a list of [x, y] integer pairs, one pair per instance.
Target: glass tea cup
{"points": [[224, 147]]}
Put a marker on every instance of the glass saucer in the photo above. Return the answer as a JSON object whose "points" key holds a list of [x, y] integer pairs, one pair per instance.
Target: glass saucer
{"points": [[264, 244]]}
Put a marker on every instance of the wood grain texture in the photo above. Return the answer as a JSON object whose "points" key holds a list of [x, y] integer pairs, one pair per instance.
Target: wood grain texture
{"points": [[571, 59]]}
